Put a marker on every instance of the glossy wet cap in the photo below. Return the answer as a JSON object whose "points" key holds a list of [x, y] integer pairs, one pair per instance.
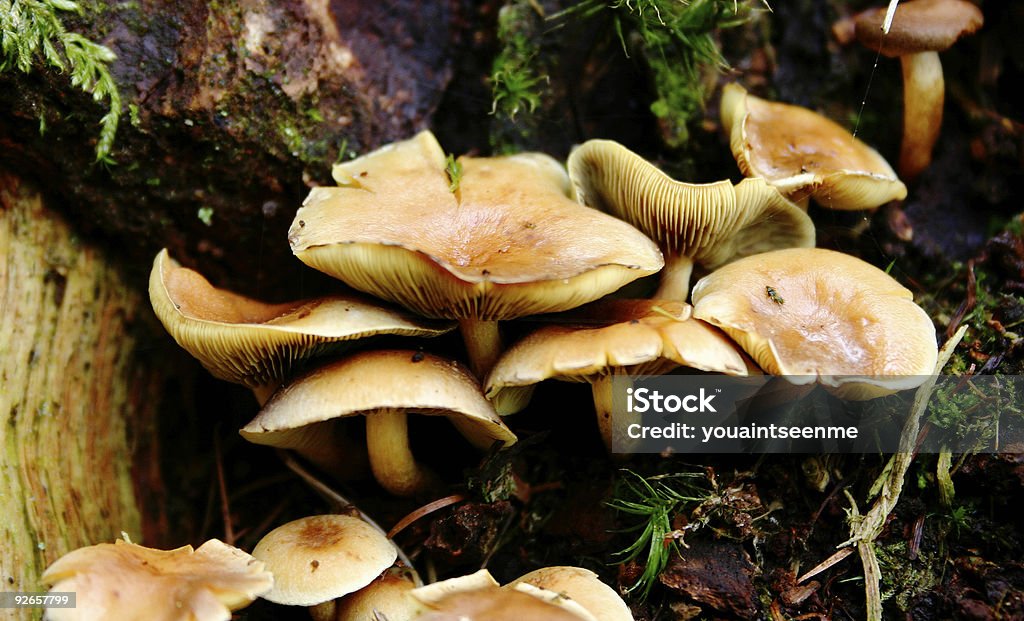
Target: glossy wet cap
{"points": [[508, 241]]}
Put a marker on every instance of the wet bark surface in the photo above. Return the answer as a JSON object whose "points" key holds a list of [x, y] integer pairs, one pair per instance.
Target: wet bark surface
{"points": [[234, 108]]}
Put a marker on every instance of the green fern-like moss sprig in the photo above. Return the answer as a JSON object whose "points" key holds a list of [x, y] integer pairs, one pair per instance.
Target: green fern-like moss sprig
{"points": [[31, 31]]}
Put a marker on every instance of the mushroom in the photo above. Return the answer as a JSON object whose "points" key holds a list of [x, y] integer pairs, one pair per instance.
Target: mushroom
{"points": [[805, 154], [248, 342], [582, 586], [320, 558], [616, 337], [482, 240], [129, 582], [708, 224], [477, 597], [812, 314], [920, 30], [387, 597], [383, 386]]}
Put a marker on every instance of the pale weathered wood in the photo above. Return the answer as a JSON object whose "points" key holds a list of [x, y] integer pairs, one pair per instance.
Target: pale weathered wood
{"points": [[77, 398]]}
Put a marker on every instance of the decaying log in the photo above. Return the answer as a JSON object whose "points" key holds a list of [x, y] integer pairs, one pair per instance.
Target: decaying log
{"points": [[230, 110], [78, 396]]}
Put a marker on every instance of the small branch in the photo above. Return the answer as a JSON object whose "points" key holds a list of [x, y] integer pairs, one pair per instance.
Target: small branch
{"points": [[864, 530]]}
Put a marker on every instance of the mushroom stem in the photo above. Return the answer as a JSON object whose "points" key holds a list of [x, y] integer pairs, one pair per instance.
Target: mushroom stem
{"points": [[604, 399], [675, 278], [391, 459], [923, 96], [483, 344], [483, 347]]}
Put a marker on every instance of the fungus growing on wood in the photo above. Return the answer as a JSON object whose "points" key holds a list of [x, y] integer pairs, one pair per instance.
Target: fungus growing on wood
{"points": [[582, 586], [477, 597], [707, 224], [387, 597], [248, 342], [920, 30], [384, 387], [505, 242], [834, 318], [616, 337], [804, 154], [320, 558], [127, 581]]}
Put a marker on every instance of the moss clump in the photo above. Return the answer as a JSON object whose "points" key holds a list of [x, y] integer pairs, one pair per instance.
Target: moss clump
{"points": [[517, 83], [678, 42], [32, 32]]}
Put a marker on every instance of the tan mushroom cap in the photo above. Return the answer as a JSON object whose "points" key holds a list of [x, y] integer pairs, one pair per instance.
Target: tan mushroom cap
{"points": [[382, 386], [388, 597], [582, 586], [637, 336], [805, 154], [920, 29], [918, 26], [708, 224], [819, 315], [129, 582], [248, 342], [616, 337], [507, 243], [477, 597], [323, 557]]}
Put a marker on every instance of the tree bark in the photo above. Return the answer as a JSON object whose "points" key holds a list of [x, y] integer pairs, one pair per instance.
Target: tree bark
{"points": [[78, 396], [234, 108]]}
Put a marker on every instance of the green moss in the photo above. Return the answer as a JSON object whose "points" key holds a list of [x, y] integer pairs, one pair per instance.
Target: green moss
{"points": [[34, 34], [904, 579], [518, 83], [678, 42]]}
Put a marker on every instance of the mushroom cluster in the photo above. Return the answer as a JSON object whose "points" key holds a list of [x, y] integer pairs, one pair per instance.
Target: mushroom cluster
{"points": [[481, 240]]}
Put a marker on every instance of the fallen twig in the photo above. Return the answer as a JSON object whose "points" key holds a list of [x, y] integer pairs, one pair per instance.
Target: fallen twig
{"points": [[865, 529]]}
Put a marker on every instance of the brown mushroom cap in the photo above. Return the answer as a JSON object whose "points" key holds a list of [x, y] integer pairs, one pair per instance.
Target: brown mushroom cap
{"points": [[632, 336], [920, 29], [805, 154], [383, 386], [477, 597], [388, 597], [610, 337], [918, 26], [323, 557], [582, 586], [507, 243], [248, 342], [708, 224], [127, 581], [822, 315]]}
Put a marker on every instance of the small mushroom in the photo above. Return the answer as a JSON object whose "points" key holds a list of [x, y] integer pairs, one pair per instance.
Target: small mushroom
{"points": [[478, 597], [383, 386], [707, 224], [129, 582], [320, 558], [388, 597], [582, 586], [503, 241], [920, 29], [616, 337], [248, 342], [812, 314], [805, 154]]}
